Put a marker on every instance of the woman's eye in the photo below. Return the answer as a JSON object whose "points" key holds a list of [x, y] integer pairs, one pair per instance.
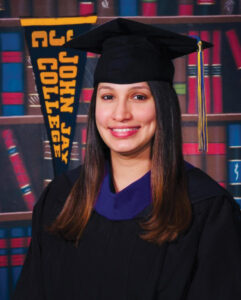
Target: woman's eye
{"points": [[139, 97], [107, 97]]}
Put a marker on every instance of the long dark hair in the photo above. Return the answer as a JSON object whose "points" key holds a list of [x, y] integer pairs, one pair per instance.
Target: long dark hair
{"points": [[171, 209]]}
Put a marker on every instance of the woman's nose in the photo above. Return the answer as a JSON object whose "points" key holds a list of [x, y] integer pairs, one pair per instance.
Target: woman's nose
{"points": [[121, 111]]}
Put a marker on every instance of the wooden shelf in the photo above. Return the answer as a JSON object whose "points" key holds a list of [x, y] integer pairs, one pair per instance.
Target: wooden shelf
{"points": [[15, 22], [38, 119], [179, 19], [32, 119], [227, 117], [16, 216]]}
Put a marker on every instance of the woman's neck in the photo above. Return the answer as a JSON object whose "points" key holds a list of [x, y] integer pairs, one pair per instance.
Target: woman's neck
{"points": [[126, 169]]}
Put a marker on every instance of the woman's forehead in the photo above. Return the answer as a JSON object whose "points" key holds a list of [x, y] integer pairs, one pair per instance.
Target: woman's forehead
{"points": [[117, 86]]}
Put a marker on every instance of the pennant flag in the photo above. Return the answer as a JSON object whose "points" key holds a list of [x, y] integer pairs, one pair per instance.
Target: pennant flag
{"points": [[58, 74]]}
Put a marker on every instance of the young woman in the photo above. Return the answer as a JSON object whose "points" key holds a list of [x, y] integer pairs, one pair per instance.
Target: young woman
{"points": [[134, 221]]}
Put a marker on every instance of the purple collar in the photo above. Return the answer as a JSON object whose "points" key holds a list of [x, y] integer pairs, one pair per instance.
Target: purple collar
{"points": [[133, 201], [127, 203]]}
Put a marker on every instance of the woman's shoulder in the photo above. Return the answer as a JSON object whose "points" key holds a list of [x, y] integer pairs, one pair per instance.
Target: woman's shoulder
{"points": [[55, 194], [204, 192], [201, 186]]}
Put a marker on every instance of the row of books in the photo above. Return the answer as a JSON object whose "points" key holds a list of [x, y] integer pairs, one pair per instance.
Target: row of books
{"points": [[26, 161], [14, 242], [58, 8], [19, 95], [222, 162]]}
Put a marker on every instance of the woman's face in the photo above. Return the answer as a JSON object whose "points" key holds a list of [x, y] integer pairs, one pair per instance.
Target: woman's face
{"points": [[125, 116]]}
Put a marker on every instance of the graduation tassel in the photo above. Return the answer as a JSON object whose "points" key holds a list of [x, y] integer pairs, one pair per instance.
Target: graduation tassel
{"points": [[202, 116]]}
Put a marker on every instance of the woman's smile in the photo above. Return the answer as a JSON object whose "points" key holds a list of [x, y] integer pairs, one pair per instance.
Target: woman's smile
{"points": [[124, 132]]}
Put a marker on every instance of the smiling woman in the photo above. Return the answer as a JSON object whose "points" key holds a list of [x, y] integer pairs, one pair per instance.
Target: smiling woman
{"points": [[126, 117], [135, 221]]}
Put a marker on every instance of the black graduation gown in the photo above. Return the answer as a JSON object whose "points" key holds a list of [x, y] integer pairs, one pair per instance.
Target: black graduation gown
{"points": [[113, 263]]}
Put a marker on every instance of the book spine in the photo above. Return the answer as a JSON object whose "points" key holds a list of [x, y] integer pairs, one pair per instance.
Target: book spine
{"points": [[33, 101], [87, 84], [216, 71], [235, 46], [167, 7], [234, 160], [205, 35], [29, 235], [4, 276], [227, 7], [44, 8], [18, 168], [149, 8], [192, 80], [86, 8], [105, 8], [2, 5], [48, 165], [12, 85], [179, 82], [18, 250], [69, 10], [185, 7], [128, 8], [215, 162], [190, 146], [83, 142], [20, 8], [206, 7]]}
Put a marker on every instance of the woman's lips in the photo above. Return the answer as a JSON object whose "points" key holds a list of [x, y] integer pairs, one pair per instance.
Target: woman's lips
{"points": [[124, 132]]}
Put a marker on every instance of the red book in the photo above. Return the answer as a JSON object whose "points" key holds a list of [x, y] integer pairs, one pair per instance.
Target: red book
{"points": [[148, 8], [86, 94], [205, 36], [19, 168], [235, 46], [185, 7], [192, 80], [216, 73], [83, 142], [86, 8]]}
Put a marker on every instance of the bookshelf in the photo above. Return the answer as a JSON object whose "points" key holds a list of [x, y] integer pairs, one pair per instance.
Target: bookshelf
{"points": [[30, 132], [188, 119]]}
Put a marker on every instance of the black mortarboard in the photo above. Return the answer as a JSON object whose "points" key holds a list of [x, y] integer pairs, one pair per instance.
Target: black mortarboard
{"points": [[134, 52]]}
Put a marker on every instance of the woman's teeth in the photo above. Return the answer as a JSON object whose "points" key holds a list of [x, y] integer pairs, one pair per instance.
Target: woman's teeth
{"points": [[124, 129]]}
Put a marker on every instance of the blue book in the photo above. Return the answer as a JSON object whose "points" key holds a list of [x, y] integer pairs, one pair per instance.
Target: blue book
{"points": [[4, 282], [128, 7], [12, 73], [234, 160], [18, 250]]}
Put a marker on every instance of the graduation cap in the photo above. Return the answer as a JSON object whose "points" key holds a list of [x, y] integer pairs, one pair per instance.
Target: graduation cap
{"points": [[135, 52]]}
